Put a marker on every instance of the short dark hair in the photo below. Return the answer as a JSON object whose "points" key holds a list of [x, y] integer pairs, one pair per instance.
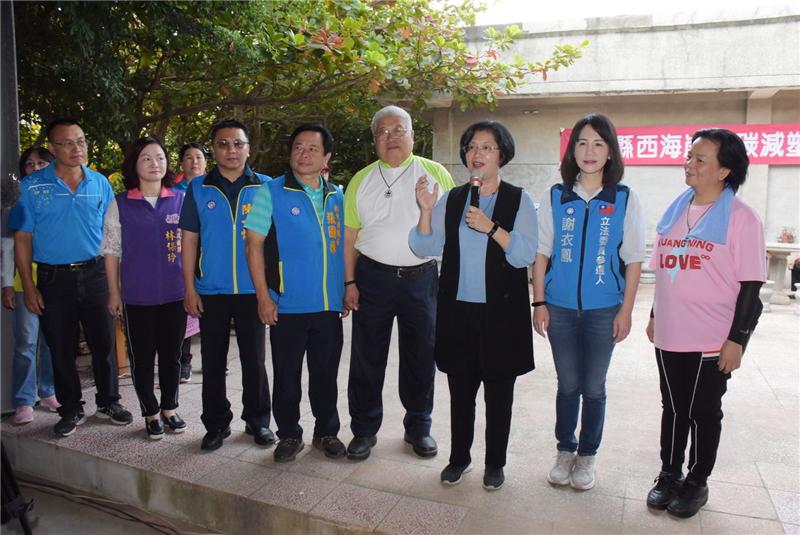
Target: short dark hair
{"points": [[327, 137], [503, 138], [613, 169], [130, 176], [229, 123], [60, 121], [732, 153], [193, 145], [41, 152]]}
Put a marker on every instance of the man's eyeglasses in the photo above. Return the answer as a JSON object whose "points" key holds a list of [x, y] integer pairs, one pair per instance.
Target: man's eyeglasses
{"points": [[70, 144], [483, 149], [396, 132], [227, 144]]}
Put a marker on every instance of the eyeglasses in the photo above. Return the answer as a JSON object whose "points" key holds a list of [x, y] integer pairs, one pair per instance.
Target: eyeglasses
{"points": [[396, 132], [483, 149], [70, 144], [227, 144]]}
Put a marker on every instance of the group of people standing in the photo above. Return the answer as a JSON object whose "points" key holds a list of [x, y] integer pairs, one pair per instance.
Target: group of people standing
{"points": [[298, 254]]}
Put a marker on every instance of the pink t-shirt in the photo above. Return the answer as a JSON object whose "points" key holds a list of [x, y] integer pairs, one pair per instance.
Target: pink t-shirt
{"points": [[697, 282]]}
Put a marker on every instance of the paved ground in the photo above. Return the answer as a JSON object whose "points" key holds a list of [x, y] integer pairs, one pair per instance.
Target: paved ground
{"points": [[754, 489]]}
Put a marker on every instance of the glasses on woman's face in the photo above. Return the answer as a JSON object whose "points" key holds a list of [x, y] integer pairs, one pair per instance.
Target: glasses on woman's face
{"points": [[227, 144], [483, 149]]}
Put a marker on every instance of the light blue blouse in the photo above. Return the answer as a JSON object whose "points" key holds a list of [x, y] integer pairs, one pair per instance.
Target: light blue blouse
{"points": [[521, 250]]}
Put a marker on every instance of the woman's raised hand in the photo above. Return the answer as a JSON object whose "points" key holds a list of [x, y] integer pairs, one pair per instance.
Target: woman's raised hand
{"points": [[425, 198]]}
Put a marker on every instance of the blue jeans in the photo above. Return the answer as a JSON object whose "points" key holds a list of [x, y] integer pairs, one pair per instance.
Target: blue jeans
{"points": [[582, 342], [25, 379]]}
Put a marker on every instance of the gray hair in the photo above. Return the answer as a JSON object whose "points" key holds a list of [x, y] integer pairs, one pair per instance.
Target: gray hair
{"points": [[391, 110]]}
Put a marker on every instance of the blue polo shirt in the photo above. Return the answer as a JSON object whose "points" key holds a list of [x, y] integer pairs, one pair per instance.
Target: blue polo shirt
{"points": [[66, 226]]}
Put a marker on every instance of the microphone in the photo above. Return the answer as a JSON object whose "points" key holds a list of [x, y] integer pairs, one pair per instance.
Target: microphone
{"points": [[475, 181]]}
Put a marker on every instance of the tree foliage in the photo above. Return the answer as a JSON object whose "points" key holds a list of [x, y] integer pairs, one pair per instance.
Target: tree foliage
{"points": [[171, 68]]}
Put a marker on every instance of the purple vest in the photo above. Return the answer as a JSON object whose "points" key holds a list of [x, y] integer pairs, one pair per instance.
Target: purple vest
{"points": [[150, 271]]}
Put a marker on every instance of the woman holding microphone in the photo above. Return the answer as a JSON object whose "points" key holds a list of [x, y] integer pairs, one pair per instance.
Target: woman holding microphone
{"points": [[483, 329]]}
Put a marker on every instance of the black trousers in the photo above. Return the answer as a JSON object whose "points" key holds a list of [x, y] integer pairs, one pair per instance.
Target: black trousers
{"points": [[215, 324], [320, 335], [186, 351], [384, 296], [498, 396], [155, 329], [72, 296], [691, 400]]}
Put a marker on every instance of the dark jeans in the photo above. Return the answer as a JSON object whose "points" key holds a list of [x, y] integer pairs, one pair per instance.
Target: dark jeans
{"points": [[151, 329], [72, 296], [412, 300], [691, 400], [215, 325], [498, 395], [320, 334]]}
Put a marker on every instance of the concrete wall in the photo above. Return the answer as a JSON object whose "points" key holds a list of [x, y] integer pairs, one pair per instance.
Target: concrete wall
{"points": [[676, 70], [751, 48]]}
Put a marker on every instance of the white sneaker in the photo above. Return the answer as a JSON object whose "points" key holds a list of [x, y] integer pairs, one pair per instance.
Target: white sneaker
{"points": [[560, 473], [583, 473]]}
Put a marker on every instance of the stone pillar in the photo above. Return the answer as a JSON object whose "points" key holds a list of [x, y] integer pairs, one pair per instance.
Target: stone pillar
{"points": [[755, 190]]}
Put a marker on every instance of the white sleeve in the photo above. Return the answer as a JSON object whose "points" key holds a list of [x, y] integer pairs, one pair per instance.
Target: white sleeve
{"points": [[545, 220], [112, 232], [633, 231], [7, 261]]}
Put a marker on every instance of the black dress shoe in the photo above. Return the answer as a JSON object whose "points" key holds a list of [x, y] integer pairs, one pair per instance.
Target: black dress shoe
{"points": [[360, 447], [214, 439], [261, 434], [690, 498], [424, 446], [287, 449], [666, 487], [174, 423], [332, 447]]}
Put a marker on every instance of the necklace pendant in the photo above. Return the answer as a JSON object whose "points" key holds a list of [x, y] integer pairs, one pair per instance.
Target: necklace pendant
{"points": [[388, 193]]}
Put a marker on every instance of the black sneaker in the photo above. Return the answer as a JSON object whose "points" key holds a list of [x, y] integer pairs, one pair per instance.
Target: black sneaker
{"points": [[690, 498], [451, 475], [67, 425], [332, 447], [114, 412], [493, 478], [155, 429], [287, 449], [186, 373], [666, 487]]}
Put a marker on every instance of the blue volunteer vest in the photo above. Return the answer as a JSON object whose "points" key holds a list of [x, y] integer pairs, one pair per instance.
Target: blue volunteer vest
{"points": [[305, 256], [222, 259], [585, 270]]}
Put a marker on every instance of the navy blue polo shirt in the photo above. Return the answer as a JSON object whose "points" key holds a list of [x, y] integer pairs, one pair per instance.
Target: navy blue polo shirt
{"points": [[67, 226], [190, 218]]}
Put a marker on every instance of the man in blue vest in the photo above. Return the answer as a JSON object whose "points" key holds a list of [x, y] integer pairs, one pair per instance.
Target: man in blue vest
{"points": [[296, 258], [59, 224], [219, 288]]}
